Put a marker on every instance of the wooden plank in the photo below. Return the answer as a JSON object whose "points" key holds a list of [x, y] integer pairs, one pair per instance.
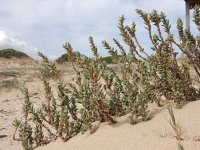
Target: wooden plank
{"points": [[192, 5], [193, 1]]}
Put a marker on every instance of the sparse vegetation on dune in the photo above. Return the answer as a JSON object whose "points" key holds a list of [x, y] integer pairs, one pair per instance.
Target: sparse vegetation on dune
{"points": [[62, 58], [15, 77], [109, 59], [10, 53], [9, 84], [174, 125], [100, 93]]}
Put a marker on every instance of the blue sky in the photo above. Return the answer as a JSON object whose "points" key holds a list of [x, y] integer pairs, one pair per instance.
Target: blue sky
{"points": [[45, 25]]}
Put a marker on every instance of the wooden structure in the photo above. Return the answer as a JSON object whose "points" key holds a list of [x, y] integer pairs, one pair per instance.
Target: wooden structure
{"points": [[189, 4]]}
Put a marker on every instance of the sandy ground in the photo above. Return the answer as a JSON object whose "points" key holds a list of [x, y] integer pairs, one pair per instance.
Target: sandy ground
{"points": [[155, 134]]}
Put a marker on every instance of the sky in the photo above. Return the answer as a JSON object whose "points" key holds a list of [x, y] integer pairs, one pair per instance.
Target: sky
{"points": [[45, 25]]}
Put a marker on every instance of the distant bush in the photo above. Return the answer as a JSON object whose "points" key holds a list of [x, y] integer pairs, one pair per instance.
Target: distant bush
{"points": [[107, 59], [63, 58], [9, 53]]}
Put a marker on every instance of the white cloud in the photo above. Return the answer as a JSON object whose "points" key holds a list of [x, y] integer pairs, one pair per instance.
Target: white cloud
{"points": [[9, 42]]}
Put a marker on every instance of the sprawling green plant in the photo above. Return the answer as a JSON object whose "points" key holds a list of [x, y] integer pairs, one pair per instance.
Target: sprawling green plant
{"points": [[180, 146], [25, 134], [170, 79], [175, 126], [90, 92], [100, 92], [189, 44], [48, 69]]}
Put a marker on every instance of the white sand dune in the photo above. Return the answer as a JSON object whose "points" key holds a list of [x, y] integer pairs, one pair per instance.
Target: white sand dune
{"points": [[142, 136]]}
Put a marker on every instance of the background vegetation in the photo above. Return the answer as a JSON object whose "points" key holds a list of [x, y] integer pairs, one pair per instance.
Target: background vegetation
{"points": [[9, 53]]}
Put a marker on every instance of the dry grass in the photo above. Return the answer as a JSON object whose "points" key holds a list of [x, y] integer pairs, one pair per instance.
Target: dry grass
{"points": [[15, 78], [175, 126], [161, 134], [9, 83]]}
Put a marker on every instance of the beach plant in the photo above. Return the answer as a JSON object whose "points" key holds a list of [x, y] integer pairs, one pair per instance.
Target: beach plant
{"points": [[175, 126], [100, 93], [170, 79], [55, 118], [48, 69], [188, 43], [27, 105], [16, 123], [180, 146], [25, 134], [91, 92]]}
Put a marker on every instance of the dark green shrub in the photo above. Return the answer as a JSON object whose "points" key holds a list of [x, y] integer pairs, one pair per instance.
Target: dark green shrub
{"points": [[9, 53], [63, 58], [107, 59]]}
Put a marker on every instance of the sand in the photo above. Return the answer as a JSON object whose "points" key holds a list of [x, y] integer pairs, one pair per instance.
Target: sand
{"points": [[155, 134]]}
